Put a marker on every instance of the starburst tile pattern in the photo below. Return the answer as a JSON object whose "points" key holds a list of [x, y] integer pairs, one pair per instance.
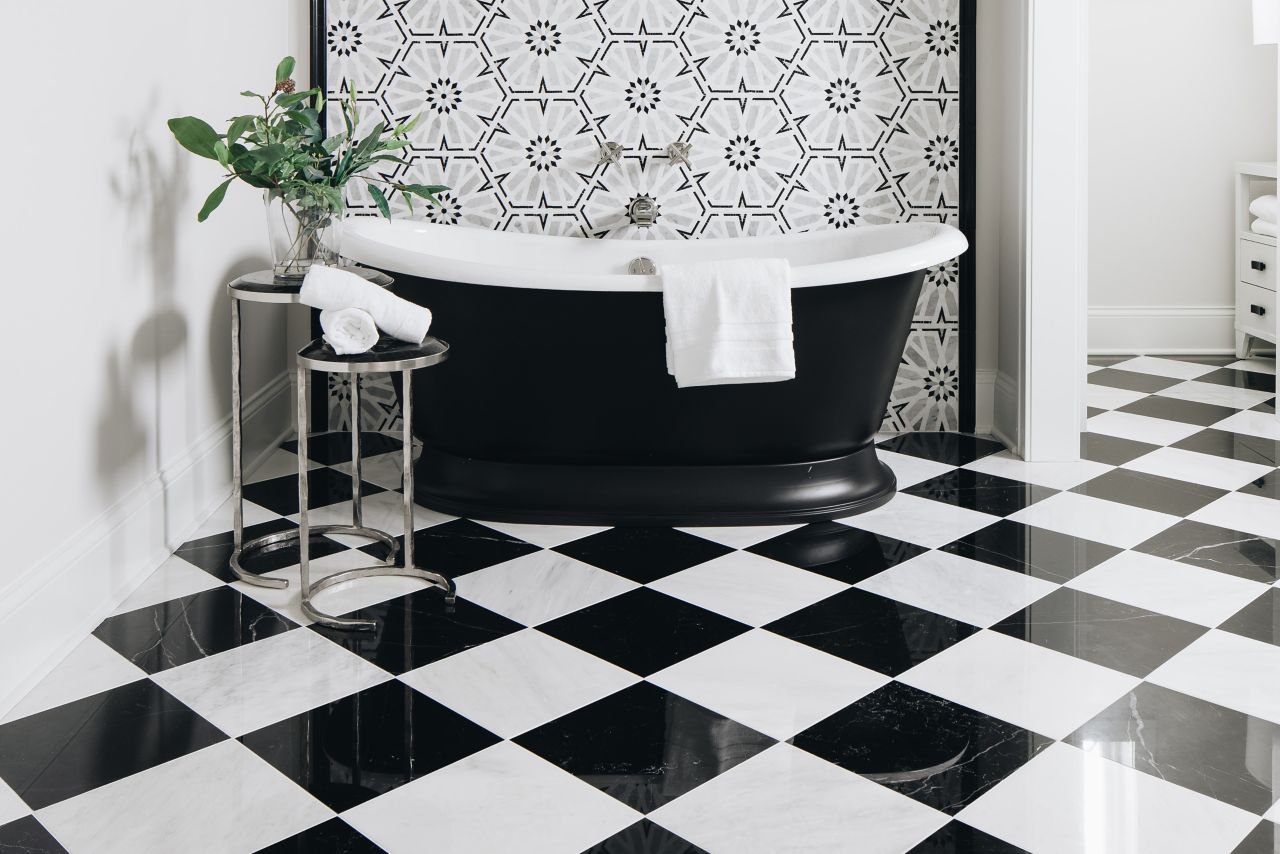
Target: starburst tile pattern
{"points": [[803, 114], [950, 674]]}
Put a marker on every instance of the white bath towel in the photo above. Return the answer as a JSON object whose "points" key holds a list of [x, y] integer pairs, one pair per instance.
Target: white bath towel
{"points": [[1266, 208], [729, 322], [348, 330], [329, 287], [1261, 226]]}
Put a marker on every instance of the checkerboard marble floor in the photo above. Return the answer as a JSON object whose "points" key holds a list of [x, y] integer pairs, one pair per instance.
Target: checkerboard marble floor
{"points": [[1077, 657]]}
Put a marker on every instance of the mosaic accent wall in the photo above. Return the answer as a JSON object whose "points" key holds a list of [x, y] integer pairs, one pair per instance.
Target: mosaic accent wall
{"points": [[803, 114]]}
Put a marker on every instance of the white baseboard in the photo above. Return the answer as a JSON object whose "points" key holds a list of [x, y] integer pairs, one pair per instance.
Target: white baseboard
{"points": [[1004, 419], [984, 403], [49, 609], [1186, 330]]}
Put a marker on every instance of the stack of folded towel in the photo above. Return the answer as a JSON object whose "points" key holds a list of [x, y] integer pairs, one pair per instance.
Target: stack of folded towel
{"points": [[1266, 211], [353, 310], [729, 322]]}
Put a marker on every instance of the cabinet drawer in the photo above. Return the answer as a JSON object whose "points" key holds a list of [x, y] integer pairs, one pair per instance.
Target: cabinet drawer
{"points": [[1254, 256], [1256, 310]]}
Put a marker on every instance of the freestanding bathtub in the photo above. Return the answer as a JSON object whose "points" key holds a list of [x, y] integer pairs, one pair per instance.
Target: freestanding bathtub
{"points": [[555, 405]]}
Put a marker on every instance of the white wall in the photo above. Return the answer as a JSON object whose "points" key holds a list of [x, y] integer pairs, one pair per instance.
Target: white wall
{"points": [[1178, 94], [116, 321]]}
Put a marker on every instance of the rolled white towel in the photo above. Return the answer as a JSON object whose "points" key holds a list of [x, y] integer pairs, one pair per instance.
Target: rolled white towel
{"points": [[329, 287], [348, 330], [1266, 208], [1261, 226]]}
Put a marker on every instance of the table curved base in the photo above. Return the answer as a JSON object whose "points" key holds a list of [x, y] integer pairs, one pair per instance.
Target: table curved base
{"points": [[346, 575], [290, 537]]}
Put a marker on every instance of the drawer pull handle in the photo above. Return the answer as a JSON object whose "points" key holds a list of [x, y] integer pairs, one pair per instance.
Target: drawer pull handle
{"points": [[1260, 266], [1258, 310]]}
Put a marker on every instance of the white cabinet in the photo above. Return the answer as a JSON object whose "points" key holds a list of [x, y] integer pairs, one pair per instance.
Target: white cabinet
{"points": [[1256, 262]]}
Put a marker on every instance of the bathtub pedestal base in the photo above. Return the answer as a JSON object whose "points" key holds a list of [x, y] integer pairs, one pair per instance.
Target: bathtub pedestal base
{"points": [[654, 495]]}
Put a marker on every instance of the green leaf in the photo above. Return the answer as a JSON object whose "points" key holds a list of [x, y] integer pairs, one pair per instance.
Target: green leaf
{"points": [[288, 100], [222, 153], [239, 125], [269, 154], [215, 199], [249, 94], [285, 69], [333, 143], [195, 135], [380, 200]]}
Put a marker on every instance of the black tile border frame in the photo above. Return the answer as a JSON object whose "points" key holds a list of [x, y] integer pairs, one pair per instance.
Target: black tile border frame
{"points": [[968, 203]]}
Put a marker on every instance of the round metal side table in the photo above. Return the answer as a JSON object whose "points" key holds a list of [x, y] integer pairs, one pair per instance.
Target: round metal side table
{"points": [[387, 356], [264, 287]]}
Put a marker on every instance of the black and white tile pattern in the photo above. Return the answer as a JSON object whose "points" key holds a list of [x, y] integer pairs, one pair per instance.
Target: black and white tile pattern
{"points": [[803, 114], [1074, 657]]}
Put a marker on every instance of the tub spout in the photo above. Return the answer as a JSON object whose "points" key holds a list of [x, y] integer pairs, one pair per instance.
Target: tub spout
{"points": [[643, 211]]}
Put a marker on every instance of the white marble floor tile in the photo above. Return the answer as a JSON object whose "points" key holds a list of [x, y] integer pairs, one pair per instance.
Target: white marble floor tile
{"points": [[1168, 587], [1216, 394], [1089, 369], [744, 536], [383, 511], [1262, 424], [1036, 688], [12, 807], [1052, 475], [1106, 397], [502, 799], [1273, 814], [772, 684], [1237, 672], [547, 536], [518, 682], [751, 589], [1067, 801], [217, 800], [1141, 428], [385, 470], [785, 799], [1205, 469], [1096, 519], [1173, 368], [90, 668], [1238, 511], [967, 590], [912, 470], [280, 463], [173, 579], [541, 586], [341, 599], [248, 687], [220, 520], [1258, 366], [922, 521]]}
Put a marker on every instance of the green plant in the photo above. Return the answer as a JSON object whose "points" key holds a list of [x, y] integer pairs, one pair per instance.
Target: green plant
{"points": [[284, 149]]}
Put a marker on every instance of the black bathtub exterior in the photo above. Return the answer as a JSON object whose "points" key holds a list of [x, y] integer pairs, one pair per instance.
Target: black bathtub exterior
{"points": [[556, 407]]}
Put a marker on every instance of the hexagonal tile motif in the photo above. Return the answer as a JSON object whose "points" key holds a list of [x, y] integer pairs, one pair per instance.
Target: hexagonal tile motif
{"points": [[841, 192], [922, 153], [923, 41], [455, 88], [364, 39], [643, 93], [539, 152], [543, 46], [742, 46], [651, 17], [606, 209], [842, 17], [747, 152], [843, 96], [436, 18]]}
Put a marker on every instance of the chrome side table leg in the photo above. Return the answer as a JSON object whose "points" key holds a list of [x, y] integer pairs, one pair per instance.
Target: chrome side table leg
{"points": [[237, 465], [357, 509], [406, 483]]}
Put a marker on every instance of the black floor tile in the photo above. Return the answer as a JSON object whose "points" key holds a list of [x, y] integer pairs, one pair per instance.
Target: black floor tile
{"points": [[1150, 492], [1221, 549], [325, 486], [1233, 446], [878, 633], [1102, 631], [1131, 380], [1112, 450], [644, 746], [350, 751], [1260, 619], [1268, 486], [28, 836], [1267, 406], [1032, 551], [1186, 741], [643, 631], [837, 551], [213, 553], [183, 630], [419, 628], [1241, 379], [1183, 411], [955, 449], [644, 837], [458, 547], [932, 750], [643, 554], [334, 836], [332, 449], [986, 493], [68, 750], [1090, 412], [1264, 839], [959, 838]]}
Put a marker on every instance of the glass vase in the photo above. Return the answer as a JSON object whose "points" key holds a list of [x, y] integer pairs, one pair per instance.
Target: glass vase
{"points": [[304, 227]]}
